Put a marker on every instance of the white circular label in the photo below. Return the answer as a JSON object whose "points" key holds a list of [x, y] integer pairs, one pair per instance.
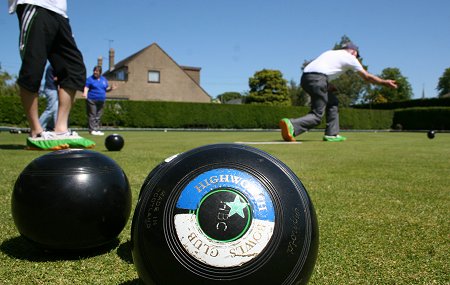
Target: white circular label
{"points": [[224, 218]]}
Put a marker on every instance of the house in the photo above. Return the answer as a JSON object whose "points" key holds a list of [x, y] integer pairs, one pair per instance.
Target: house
{"points": [[152, 75]]}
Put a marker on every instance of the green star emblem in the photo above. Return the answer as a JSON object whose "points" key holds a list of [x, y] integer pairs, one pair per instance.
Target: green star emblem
{"points": [[237, 207]]}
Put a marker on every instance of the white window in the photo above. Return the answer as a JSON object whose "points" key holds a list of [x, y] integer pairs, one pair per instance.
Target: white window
{"points": [[120, 75], [153, 76]]}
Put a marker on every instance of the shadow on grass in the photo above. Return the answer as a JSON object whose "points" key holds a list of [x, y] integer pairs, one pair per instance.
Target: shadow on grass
{"points": [[12, 146], [21, 248], [124, 252]]}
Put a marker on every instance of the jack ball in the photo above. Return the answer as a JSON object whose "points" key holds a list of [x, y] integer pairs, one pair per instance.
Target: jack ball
{"points": [[71, 199]]}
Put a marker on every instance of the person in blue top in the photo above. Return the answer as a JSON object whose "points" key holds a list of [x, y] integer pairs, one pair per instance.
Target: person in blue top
{"points": [[48, 117], [95, 94]]}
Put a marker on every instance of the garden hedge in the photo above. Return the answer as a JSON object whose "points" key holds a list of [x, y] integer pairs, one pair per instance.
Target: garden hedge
{"points": [[151, 114], [432, 118]]}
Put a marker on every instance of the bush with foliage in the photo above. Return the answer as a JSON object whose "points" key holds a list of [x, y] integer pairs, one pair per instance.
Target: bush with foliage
{"points": [[150, 114]]}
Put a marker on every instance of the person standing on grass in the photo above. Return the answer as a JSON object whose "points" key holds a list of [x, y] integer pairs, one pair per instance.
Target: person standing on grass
{"points": [[45, 34], [95, 94], [48, 117], [315, 81]]}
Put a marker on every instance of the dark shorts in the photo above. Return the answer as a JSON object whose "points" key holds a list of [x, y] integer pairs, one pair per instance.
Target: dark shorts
{"points": [[45, 35]]}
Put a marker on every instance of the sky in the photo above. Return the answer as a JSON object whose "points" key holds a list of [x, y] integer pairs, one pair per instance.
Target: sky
{"points": [[231, 40]]}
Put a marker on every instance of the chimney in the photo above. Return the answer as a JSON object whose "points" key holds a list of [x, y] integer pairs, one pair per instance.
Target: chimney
{"points": [[111, 59], [100, 61]]}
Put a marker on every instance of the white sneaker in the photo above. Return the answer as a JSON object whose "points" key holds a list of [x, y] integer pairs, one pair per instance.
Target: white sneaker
{"points": [[67, 135], [97, 133], [44, 136]]}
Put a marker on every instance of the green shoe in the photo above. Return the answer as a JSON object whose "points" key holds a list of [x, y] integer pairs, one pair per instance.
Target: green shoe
{"points": [[287, 130], [336, 138]]}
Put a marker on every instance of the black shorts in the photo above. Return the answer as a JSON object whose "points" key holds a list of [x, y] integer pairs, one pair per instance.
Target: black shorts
{"points": [[46, 35]]}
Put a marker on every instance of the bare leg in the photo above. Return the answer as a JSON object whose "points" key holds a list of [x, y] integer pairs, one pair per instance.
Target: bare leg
{"points": [[30, 105], [66, 98]]}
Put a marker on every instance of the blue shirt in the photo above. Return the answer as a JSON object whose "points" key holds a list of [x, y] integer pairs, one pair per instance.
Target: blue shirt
{"points": [[97, 88]]}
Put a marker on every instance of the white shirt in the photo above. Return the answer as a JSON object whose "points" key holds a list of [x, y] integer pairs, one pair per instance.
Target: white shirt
{"points": [[333, 63], [57, 6]]}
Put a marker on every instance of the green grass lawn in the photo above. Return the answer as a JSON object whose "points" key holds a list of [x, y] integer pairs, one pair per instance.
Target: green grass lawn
{"points": [[382, 201]]}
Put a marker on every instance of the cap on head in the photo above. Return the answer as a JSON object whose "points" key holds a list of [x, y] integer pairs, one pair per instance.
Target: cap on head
{"points": [[350, 45]]}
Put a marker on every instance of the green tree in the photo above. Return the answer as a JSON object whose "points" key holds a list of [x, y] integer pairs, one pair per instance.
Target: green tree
{"points": [[344, 39], [385, 94], [7, 84], [349, 87], [298, 96], [443, 86], [268, 87], [227, 96]]}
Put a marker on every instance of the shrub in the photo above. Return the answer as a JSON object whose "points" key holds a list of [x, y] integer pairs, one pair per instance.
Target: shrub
{"points": [[150, 114], [437, 118]]}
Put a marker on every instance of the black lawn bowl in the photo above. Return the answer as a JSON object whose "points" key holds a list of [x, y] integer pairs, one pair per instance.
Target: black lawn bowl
{"points": [[114, 142], [431, 134], [71, 200], [224, 214]]}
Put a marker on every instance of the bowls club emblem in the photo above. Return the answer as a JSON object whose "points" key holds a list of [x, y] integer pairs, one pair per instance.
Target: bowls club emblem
{"points": [[224, 217]]}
